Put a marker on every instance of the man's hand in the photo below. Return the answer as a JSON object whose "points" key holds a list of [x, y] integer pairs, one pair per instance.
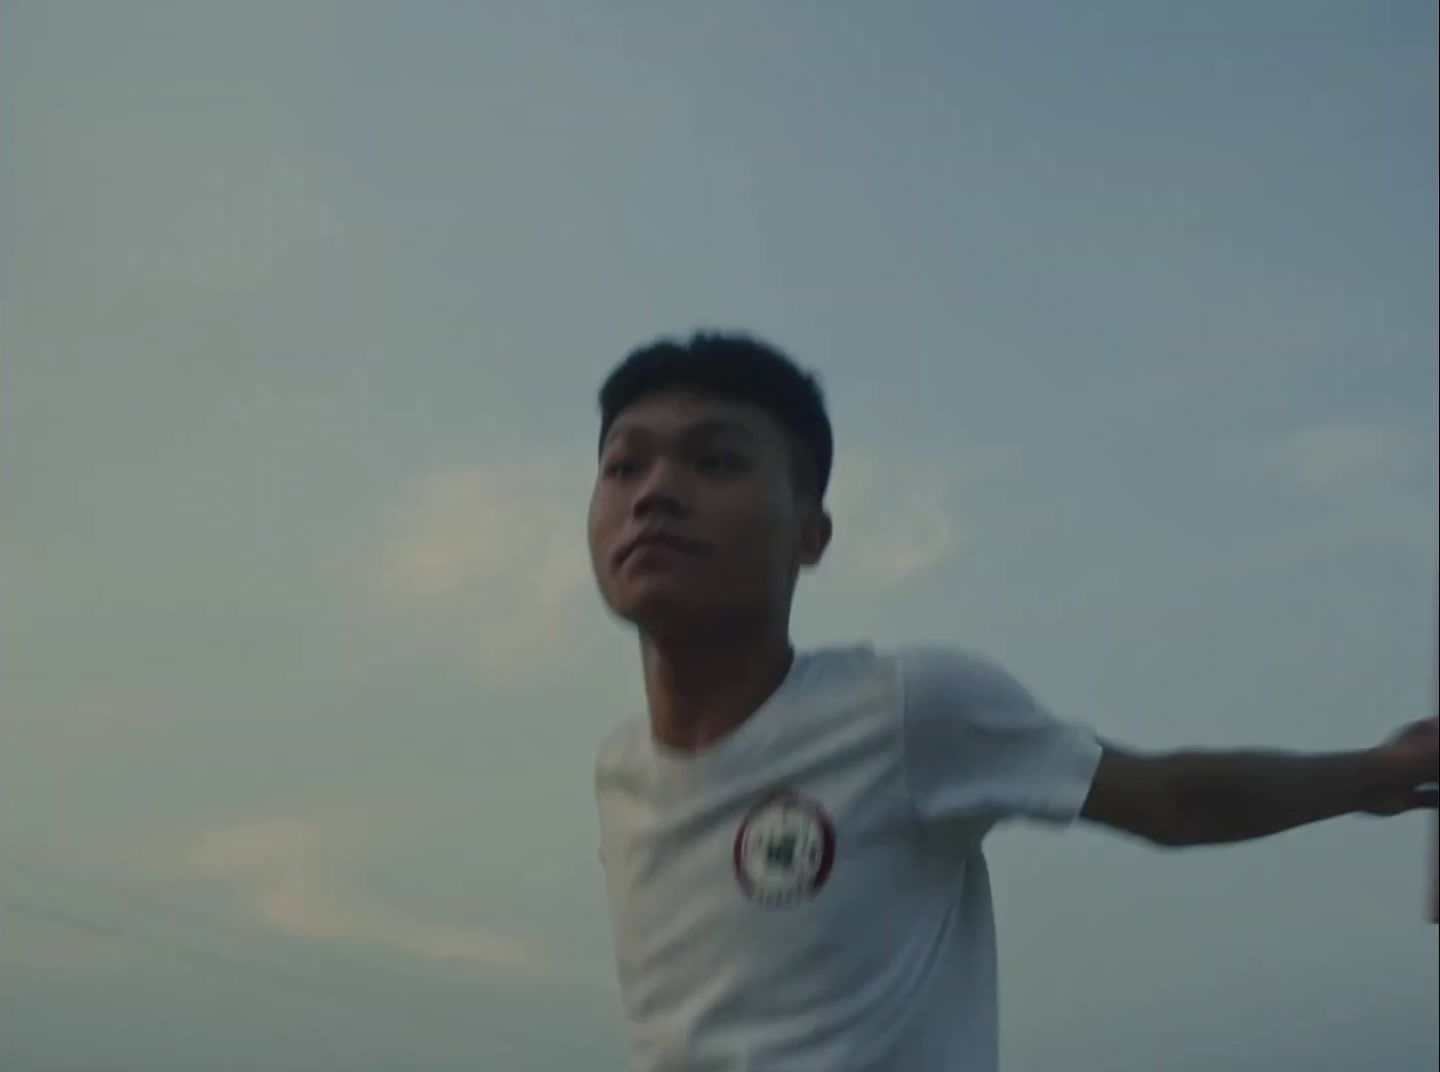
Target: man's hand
{"points": [[1406, 769]]}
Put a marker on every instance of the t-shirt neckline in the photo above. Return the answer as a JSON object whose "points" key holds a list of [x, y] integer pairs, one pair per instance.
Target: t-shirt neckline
{"points": [[679, 759]]}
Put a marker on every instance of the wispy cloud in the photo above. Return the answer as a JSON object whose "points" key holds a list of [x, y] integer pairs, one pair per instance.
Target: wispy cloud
{"points": [[495, 553], [1331, 455], [899, 514], [292, 873], [1365, 483]]}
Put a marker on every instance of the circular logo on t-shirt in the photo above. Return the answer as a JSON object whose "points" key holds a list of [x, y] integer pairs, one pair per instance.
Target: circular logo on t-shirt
{"points": [[784, 850]]}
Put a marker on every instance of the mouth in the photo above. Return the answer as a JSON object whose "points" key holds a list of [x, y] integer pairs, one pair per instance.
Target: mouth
{"points": [[665, 540]]}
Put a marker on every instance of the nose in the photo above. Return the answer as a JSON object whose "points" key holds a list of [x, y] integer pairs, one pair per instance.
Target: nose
{"points": [[661, 492]]}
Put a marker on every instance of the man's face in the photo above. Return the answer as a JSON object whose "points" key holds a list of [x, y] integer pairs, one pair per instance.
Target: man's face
{"points": [[706, 487]]}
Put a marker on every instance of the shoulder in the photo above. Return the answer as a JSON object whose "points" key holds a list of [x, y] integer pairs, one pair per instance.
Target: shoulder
{"points": [[957, 679], [911, 680], [620, 750], [840, 665], [844, 682]]}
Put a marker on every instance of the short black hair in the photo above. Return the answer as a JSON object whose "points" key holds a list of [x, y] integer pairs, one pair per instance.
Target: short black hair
{"points": [[738, 367]]}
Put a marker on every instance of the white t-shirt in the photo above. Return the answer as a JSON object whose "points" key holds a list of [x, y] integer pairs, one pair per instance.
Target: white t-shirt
{"points": [[809, 893]]}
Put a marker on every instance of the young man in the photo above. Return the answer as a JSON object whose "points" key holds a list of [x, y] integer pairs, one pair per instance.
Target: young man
{"points": [[792, 841]]}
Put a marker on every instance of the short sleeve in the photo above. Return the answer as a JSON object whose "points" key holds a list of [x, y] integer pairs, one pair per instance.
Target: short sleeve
{"points": [[979, 747]]}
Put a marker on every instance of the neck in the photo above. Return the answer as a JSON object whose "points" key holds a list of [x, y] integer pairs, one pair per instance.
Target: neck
{"points": [[700, 690]]}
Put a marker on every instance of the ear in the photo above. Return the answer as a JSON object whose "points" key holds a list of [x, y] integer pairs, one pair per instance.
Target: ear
{"points": [[815, 532]]}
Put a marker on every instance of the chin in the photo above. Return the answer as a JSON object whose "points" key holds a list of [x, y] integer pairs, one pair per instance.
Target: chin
{"points": [[659, 607], [696, 616], [656, 602]]}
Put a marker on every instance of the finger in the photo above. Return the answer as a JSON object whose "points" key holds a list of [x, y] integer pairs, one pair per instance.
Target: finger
{"points": [[1424, 797]]}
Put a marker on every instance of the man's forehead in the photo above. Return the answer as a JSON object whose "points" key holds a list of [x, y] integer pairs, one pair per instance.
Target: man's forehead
{"points": [[686, 414]]}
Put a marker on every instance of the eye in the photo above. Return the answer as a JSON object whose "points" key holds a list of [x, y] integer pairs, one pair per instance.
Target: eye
{"points": [[618, 468], [722, 462]]}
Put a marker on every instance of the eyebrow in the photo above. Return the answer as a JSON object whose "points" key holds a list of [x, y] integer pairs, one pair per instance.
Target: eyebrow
{"points": [[704, 429]]}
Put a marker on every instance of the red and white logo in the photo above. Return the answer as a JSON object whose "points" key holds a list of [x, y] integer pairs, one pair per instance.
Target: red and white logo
{"points": [[784, 850]]}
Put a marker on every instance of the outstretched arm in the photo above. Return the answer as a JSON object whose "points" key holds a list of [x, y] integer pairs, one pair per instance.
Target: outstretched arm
{"points": [[1211, 798]]}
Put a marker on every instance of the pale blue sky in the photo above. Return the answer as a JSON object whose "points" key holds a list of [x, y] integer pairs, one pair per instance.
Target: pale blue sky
{"points": [[1127, 316]]}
